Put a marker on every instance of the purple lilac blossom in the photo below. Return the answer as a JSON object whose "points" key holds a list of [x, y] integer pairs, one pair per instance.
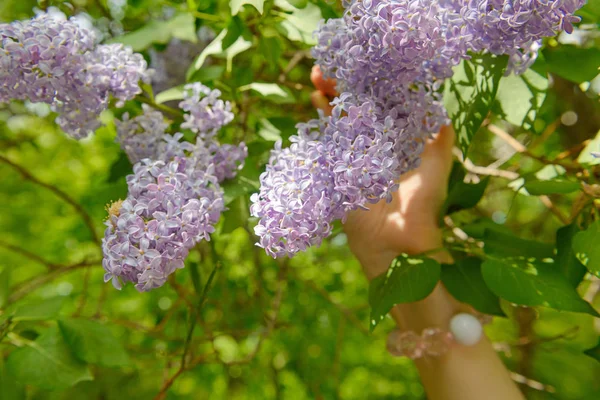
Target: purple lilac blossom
{"points": [[206, 113], [56, 62], [389, 58], [341, 163], [141, 136], [174, 199], [169, 208]]}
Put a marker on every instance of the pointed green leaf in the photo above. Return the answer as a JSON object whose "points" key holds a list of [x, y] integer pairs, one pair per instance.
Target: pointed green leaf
{"points": [[521, 96], [182, 26], [465, 283], [566, 259], [409, 278], [586, 156], [236, 5], [462, 195], [507, 245], [47, 363], [271, 91], [92, 342], [586, 245], [470, 93], [174, 93], [553, 186], [531, 282], [560, 60], [301, 23], [594, 352]]}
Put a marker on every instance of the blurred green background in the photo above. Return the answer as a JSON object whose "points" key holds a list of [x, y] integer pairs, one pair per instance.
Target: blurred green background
{"points": [[285, 329]]}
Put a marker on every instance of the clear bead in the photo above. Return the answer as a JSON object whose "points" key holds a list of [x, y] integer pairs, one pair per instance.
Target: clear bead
{"points": [[407, 344], [436, 341]]}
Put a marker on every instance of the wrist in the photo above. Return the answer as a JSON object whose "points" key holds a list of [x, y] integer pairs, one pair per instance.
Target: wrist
{"points": [[376, 257]]}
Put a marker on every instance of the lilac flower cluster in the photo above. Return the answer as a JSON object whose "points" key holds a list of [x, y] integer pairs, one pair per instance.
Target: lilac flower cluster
{"points": [[389, 58], [206, 112], [56, 62], [341, 163], [174, 197], [169, 208], [140, 136]]}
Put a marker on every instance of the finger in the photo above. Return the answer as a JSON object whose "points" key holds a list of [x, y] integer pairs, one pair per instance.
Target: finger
{"points": [[440, 147], [325, 85], [321, 102]]}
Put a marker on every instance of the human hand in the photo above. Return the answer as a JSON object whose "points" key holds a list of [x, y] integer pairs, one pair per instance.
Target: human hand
{"points": [[408, 224]]}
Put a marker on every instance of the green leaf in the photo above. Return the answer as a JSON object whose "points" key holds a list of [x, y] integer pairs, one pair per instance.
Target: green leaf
{"points": [[270, 91], [409, 278], [234, 31], [530, 282], [465, 283], [507, 245], [39, 309], [586, 157], [587, 248], [47, 363], [573, 63], [174, 93], [462, 195], [553, 186], [268, 131], [301, 23], [594, 352], [182, 26], [5, 273], [120, 168], [565, 258], [298, 3], [240, 186], [92, 342], [9, 389], [521, 96], [207, 74], [213, 48], [470, 93], [236, 5], [590, 12]]}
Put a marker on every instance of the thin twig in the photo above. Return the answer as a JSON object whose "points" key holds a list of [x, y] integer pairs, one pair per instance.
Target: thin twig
{"points": [[32, 284], [520, 148], [188, 339], [86, 217], [30, 255], [480, 170], [160, 107]]}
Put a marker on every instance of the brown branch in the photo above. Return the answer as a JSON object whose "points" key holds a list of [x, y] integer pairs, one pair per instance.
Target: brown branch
{"points": [[520, 148], [78, 208], [32, 284], [30, 255], [480, 170]]}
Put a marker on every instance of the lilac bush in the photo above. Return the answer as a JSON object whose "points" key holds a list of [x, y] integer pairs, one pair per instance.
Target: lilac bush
{"points": [[174, 197], [389, 58], [55, 61]]}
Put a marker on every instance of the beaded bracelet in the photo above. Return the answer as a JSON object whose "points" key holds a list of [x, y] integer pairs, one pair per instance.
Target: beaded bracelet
{"points": [[465, 329]]}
